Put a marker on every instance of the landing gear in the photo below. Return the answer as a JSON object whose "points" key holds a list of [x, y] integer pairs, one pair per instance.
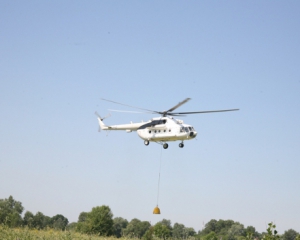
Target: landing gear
{"points": [[146, 142], [181, 145], [165, 146]]}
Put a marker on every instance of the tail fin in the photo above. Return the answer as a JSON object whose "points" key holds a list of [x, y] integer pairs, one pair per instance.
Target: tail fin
{"points": [[101, 123]]}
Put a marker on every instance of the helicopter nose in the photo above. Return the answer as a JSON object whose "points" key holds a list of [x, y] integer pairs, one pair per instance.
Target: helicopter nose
{"points": [[193, 134]]}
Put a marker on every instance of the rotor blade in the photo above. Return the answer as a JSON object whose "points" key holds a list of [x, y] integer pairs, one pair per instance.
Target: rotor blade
{"points": [[113, 110], [178, 105], [97, 114], [179, 115], [108, 115], [226, 110], [129, 105]]}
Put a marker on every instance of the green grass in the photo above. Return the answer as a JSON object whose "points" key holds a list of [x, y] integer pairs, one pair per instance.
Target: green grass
{"points": [[7, 233]]}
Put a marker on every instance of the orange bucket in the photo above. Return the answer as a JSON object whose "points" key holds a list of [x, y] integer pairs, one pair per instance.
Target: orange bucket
{"points": [[156, 210]]}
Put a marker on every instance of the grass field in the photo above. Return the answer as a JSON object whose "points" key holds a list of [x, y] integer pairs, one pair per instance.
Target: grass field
{"points": [[7, 233]]}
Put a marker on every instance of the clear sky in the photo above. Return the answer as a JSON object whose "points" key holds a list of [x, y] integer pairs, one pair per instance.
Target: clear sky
{"points": [[58, 58]]}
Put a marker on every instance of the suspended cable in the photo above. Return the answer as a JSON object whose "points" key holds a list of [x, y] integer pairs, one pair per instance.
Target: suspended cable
{"points": [[157, 210], [159, 175]]}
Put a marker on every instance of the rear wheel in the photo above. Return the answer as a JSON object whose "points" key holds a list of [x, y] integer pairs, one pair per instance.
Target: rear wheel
{"points": [[146, 142], [165, 146], [181, 145]]}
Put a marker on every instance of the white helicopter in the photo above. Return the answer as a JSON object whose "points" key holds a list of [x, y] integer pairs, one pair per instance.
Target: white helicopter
{"points": [[160, 129]]}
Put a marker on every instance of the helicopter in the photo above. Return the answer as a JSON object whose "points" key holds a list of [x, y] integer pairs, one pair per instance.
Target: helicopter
{"points": [[161, 129]]}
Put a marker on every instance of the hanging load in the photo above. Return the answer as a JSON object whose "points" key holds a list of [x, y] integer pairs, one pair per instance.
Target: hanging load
{"points": [[156, 210]]}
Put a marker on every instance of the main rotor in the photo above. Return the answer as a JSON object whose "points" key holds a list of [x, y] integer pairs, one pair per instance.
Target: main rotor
{"points": [[170, 111]]}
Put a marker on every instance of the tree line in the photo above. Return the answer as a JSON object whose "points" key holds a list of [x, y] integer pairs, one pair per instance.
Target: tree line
{"points": [[100, 221], [11, 215]]}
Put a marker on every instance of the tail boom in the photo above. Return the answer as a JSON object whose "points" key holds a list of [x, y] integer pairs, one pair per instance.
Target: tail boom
{"points": [[128, 127]]}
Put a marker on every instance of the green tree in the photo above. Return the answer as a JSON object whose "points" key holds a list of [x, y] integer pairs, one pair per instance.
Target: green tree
{"points": [[210, 227], [178, 231], [40, 221], [290, 234], [220, 228], [82, 216], [271, 233], [190, 232], [136, 228], [250, 231], [211, 236], [81, 226], [99, 221], [235, 231], [119, 225], [182, 232], [10, 212], [71, 226], [28, 219], [148, 234], [161, 231], [167, 223], [59, 222]]}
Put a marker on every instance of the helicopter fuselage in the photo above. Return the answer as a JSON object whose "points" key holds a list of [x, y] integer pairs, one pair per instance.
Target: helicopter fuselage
{"points": [[166, 129], [161, 130]]}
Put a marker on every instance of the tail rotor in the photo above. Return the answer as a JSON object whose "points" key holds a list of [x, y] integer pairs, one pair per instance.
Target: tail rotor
{"points": [[101, 119]]}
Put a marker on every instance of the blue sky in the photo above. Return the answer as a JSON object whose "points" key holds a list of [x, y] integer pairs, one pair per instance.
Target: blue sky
{"points": [[59, 58]]}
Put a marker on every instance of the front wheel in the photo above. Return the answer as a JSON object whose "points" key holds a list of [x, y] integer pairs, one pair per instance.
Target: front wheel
{"points": [[181, 145], [165, 146], [146, 142]]}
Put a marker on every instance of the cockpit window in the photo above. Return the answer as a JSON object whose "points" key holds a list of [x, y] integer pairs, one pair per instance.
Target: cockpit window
{"points": [[157, 122], [186, 129], [153, 123]]}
